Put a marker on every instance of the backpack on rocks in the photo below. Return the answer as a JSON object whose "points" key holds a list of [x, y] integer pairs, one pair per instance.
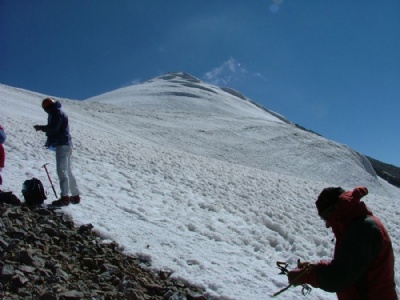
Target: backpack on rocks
{"points": [[33, 192]]}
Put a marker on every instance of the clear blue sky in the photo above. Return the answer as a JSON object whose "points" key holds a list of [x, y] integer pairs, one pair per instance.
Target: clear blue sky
{"points": [[330, 66]]}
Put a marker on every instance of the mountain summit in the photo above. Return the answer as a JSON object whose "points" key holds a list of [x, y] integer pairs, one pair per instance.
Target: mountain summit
{"points": [[182, 92], [187, 114]]}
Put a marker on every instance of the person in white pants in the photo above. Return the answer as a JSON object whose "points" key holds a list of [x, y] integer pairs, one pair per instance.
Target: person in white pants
{"points": [[59, 139]]}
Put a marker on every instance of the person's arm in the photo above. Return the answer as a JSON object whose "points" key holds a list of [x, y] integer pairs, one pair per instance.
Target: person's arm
{"points": [[361, 245], [3, 135], [53, 124]]}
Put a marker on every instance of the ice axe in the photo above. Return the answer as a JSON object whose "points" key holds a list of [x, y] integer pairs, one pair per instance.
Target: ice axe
{"points": [[51, 182]]}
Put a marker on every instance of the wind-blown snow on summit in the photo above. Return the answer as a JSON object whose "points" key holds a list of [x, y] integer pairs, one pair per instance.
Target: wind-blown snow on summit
{"points": [[197, 180], [200, 118], [181, 92]]}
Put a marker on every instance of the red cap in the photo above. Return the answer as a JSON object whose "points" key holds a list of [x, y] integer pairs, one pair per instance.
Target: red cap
{"points": [[48, 103]]}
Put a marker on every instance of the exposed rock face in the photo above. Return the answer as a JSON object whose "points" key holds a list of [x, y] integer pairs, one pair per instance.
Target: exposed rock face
{"points": [[44, 256], [386, 171]]}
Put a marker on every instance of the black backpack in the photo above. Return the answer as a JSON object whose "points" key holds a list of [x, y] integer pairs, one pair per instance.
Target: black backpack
{"points": [[33, 192]]}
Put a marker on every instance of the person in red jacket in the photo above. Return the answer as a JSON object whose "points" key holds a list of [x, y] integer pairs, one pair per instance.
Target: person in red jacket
{"points": [[363, 263], [2, 151]]}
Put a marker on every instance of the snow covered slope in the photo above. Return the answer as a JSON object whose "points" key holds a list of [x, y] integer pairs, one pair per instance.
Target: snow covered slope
{"points": [[181, 92], [217, 196], [180, 111]]}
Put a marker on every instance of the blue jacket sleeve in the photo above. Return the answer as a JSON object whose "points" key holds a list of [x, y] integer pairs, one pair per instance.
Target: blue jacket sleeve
{"points": [[54, 122], [3, 135]]}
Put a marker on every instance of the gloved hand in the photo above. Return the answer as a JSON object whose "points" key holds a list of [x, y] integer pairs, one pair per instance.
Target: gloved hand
{"points": [[38, 127], [304, 264], [297, 276], [304, 275]]}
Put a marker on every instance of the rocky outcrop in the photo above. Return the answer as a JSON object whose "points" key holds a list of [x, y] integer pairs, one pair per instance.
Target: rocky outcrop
{"points": [[386, 171], [43, 255]]}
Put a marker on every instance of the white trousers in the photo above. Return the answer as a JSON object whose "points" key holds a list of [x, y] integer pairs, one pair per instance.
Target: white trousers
{"points": [[68, 183]]}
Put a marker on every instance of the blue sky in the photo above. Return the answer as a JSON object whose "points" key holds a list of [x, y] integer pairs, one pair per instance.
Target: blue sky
{"points": [[330, 66]]}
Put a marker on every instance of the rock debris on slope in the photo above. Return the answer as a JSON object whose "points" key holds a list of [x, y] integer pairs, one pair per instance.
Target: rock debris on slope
{"points": [[43, 255]]}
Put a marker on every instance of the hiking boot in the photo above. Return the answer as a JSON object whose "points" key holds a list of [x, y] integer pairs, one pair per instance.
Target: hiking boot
{"points": [[63, 201], [75, 199]]}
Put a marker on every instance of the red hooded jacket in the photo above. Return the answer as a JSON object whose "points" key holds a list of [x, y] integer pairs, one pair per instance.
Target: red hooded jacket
{"points": [[363, 263]]}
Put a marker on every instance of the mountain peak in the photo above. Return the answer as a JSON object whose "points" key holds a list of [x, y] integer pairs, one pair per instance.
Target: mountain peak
{"points": [[178, 75], [183, 92]]}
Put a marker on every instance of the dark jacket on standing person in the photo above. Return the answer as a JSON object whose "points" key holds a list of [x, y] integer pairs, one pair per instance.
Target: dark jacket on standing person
{"points": [[57, 129]]}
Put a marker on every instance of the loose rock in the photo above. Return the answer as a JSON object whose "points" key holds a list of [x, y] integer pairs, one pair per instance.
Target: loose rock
{"points": [[44, 256]]}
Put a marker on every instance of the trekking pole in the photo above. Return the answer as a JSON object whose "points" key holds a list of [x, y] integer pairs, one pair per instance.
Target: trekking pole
{"points": [[51, 182]]}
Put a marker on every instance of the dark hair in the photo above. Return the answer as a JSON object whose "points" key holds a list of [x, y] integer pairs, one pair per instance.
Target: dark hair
{"points": [[328, 198]]}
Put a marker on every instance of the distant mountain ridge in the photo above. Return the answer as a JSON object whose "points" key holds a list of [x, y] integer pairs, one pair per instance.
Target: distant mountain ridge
{"points": [[386, 171], [185, 113], [183, 92], [265, 139]]}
